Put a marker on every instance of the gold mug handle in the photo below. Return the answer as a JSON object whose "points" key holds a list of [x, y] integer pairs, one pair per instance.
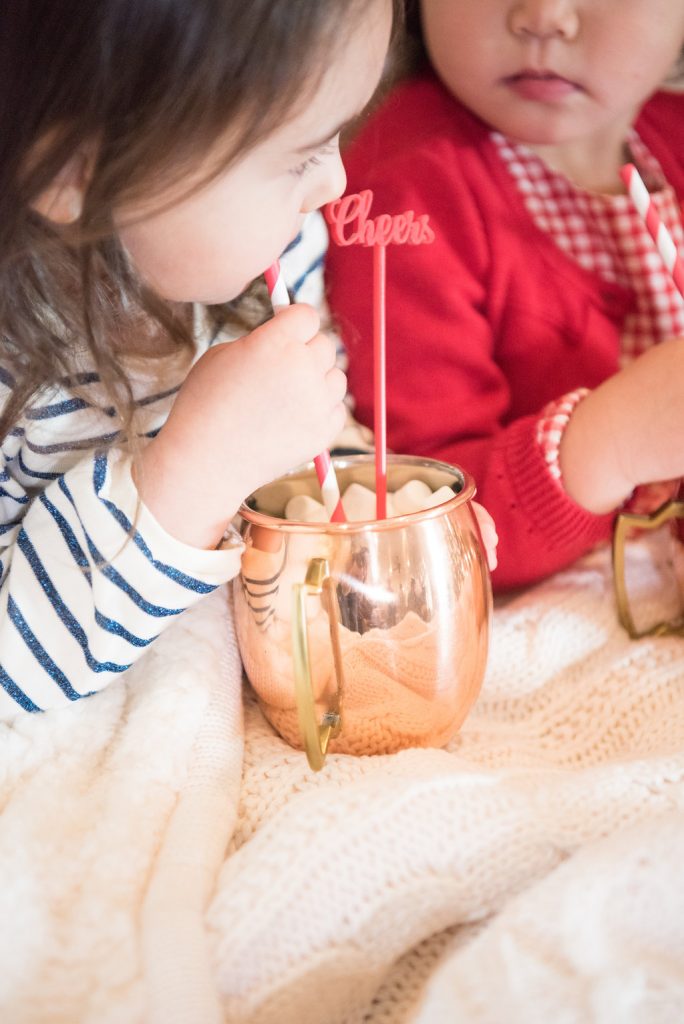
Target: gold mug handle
{"points": [[315, 736], [626, 521]]}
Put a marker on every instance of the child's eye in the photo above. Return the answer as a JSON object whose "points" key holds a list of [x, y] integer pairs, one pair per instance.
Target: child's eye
{"points": [[301, 169], [316, 159]]}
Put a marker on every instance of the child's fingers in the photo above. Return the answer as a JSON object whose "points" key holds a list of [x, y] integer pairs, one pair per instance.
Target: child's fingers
{"points": [[336, 382], [646, 498], [338, 420], [324, 351], [298, 322], [488, 533]]}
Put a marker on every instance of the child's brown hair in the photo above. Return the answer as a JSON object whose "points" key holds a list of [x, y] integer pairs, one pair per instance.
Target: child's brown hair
{"points": [[149, 85]]}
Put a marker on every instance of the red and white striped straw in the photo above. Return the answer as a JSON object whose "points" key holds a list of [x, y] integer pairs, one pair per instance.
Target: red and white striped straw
{"points": [[330, 490], [664, 242]]}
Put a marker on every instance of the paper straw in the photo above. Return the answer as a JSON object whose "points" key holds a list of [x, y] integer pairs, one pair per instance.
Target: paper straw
{"points": [[380, 380], [277, 288], [661, 236], [330, 490]]}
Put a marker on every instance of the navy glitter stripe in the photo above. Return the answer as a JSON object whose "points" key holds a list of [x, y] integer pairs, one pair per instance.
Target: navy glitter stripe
{"points": [[40, 654], [299, 283], [72, 405], [85, 444], [295, 242], [112, 626], [69, 537], [157, 611], [36, 474], [22, 500], [87, 377], [181, 578], [158, 397], [47, 412], [105, 622], [11, 688], [64, 614]]}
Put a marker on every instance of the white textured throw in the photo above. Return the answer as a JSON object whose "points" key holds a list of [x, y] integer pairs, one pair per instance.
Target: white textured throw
{"points": [[531, 872]]}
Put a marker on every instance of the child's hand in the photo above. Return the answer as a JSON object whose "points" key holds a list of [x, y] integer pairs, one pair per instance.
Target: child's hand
{"points": [[248, 411], [648, 498], [628, 431], [488, 533]]}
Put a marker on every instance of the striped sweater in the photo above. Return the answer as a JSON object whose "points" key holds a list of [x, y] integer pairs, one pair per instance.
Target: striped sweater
{"points": [[88, 578]]}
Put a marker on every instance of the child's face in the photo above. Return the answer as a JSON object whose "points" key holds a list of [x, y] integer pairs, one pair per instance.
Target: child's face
{"points": [[554, 71], [208, 245]]}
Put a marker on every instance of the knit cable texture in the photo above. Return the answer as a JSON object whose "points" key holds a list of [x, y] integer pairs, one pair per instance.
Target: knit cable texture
{"points": [[351, 885], [529, 872]]}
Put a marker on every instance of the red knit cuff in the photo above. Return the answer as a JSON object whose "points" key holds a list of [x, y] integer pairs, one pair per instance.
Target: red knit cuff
{"points": [[564, 523]]}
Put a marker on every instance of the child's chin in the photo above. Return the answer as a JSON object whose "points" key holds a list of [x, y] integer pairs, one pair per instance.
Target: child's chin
{"points": [[219, 296]]}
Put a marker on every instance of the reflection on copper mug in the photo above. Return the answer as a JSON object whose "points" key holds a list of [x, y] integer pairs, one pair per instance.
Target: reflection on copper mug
{"points": [[364, 637]]}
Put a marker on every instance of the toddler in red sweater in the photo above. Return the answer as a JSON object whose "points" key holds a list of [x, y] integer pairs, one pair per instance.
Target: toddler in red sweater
{"points": [[535, 341]]}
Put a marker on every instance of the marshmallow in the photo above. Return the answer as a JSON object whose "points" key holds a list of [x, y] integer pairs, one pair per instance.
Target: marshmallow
{"points": [[439, 496], [412, 497], [358, 503], [304, 509]]}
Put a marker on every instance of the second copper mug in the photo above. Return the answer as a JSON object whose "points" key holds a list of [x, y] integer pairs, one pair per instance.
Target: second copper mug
{"points": [[364, 637]]}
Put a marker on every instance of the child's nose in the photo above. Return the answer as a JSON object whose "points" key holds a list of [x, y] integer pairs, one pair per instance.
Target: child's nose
{"points": [[327, 184], [544, 19]]}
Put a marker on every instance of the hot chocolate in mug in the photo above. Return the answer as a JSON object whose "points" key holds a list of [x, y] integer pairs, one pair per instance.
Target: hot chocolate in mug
{"points": [[364, 637]]}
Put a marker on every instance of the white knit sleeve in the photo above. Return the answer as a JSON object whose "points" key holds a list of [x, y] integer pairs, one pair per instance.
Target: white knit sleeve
{"points": [[88, 579]]}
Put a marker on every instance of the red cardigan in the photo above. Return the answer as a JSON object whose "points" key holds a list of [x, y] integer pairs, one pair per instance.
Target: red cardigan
{"points": [[486, 324]]}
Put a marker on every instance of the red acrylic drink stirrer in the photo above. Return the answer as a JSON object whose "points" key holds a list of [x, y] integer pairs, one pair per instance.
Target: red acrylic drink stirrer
{"points": [[350, 224]]}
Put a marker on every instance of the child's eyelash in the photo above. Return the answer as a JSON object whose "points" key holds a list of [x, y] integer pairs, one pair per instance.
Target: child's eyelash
{"points": [[314, 160], [300, 169]]}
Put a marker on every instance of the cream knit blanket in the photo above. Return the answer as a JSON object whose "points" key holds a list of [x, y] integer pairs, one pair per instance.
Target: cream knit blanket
{"points": [[530, 872]]}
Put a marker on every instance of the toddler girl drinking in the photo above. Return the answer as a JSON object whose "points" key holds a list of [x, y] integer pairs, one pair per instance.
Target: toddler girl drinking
{"points": [[156, 158], [535, 342]]}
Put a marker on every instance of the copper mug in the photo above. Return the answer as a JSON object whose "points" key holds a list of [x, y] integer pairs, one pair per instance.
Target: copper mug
{"points": [[364, 637], [625, 525]]}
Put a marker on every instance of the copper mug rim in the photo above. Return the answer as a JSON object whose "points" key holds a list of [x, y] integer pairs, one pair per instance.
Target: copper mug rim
{"points": [[344, 462]]}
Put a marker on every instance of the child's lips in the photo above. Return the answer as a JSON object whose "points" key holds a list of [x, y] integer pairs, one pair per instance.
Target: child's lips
{"points": [[541, 85]]}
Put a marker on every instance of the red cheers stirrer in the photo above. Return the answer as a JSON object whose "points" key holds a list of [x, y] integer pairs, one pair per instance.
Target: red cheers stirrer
{"points": [[350, 224], [330, 491]]}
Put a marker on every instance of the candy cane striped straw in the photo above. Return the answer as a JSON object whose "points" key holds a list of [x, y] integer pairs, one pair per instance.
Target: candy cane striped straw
{"points": [[330, 490], [661, 236]]}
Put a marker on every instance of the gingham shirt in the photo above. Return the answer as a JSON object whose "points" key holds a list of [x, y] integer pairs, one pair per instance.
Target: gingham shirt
{"points": [[605, 235]]}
